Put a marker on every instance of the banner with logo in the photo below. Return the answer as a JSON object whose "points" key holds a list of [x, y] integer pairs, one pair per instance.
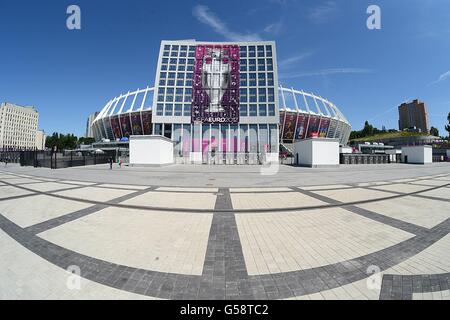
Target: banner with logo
{"points": [[215, 88]]}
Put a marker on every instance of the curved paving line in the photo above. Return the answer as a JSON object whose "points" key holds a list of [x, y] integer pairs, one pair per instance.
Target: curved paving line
{"points": [[260, 210], [270, 286]]}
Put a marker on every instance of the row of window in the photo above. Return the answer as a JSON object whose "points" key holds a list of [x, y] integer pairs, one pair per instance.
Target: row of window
{"points": [[184, 79], [257, 95], [245, 110]]}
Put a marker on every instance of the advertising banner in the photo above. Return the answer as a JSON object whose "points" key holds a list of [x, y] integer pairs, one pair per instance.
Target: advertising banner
{"points": [[313, 128], [323, 129], [289, 126], [147, 122], [136, 124], [115, 126], [302, 124], [215, 88], [126, 126]]}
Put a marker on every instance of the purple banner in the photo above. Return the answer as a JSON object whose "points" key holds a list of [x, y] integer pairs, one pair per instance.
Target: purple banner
{"points": [[215, 88]]}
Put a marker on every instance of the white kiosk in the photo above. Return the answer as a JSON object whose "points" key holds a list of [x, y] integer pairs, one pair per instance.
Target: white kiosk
{"points": [[151, 150], [417, 154], [317, 152]]}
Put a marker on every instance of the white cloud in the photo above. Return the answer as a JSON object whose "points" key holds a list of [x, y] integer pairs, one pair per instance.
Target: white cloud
{"points": [[274, 28], [442, 77], [323, 12], [325, 72], [294, 59], [209, 18]]}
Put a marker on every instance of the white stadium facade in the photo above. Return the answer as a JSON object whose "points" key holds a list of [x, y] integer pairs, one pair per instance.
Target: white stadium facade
{"points": [[222, 99]]}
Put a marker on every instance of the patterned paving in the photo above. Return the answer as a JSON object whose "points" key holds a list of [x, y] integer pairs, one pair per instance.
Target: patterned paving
{"points": [[134, 241]]}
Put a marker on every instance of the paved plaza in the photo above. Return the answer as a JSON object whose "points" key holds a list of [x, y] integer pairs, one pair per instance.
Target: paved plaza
{"points": [[203, 232]]}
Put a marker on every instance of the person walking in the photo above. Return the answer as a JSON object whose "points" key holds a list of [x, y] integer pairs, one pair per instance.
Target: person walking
{"points": [[110, 163]]}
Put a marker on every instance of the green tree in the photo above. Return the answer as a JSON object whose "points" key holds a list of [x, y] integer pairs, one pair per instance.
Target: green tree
{"points": [[434, 132], [86, 141]]}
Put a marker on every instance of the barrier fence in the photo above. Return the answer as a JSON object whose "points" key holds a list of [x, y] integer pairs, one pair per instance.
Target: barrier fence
{"points": [[52, 160]]}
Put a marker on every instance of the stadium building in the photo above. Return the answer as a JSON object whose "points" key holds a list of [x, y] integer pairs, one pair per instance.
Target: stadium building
{"points": [[221, 99]]}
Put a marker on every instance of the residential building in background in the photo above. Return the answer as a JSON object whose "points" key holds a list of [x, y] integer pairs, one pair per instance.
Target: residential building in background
{"points": [[89, 132], [40, 140], [18, 127], [414, 115]]}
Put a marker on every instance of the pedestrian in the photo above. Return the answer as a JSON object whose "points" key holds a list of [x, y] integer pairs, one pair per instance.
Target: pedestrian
{"points": [[110, 163], [6, 162]]}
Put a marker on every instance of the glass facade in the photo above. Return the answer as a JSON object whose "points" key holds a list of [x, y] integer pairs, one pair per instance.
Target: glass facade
{"points": [[268, 114]]}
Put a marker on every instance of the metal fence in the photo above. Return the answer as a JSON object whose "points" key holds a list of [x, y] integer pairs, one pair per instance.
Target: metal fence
{"points": [[53, 160], [364, 159]]}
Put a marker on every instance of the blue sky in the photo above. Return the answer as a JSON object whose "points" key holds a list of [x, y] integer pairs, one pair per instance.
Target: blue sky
{"points": [[323, 47]]}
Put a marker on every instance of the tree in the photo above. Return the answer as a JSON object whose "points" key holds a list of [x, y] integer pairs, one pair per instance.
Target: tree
{"points": [[434, 132], [447, 127], [86, 141], [61, 141]]}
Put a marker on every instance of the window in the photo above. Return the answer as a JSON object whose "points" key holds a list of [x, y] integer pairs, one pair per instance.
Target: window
{"points": [[252, 95], [270, 95], [171, 75], [243, 95], [269, 65], [169, 110], [270, 79], [262, 95], [159, 109], [182, 61], [261, 79], [261, 65], [165, 53], [187, 110], [163, 75], [271, 110], [172, 67], [251, 65], [243, 80], [252, 79], [175, 47], [243, 110], [170, 82], [251, 51], [166, 47], [262, 110], [253, 110], [178, 110]]}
